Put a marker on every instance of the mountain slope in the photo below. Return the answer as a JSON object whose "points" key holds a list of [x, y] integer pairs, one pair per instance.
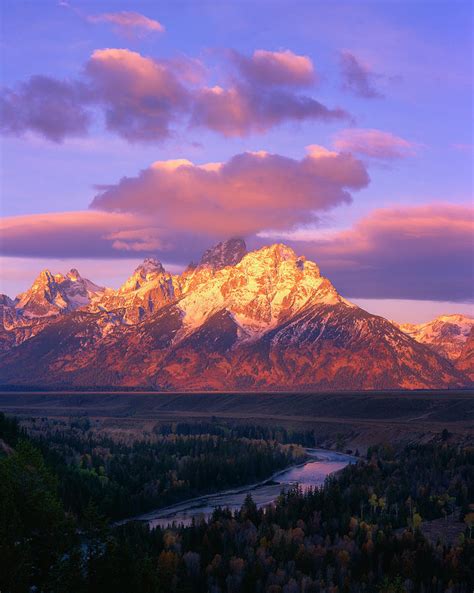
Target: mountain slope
{"points": [[269, 321], [465, 362], [446, 334]]}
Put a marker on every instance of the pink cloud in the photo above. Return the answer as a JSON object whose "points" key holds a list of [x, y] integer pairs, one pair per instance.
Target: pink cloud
{"points": [[144, 99], [357, 78], [242, 109], [141, 97], [261, 96], [419, 252], [276, 68], [178, 208], [65, 233], [374, 143], [248, 193], [128, 22], [94, 234]]}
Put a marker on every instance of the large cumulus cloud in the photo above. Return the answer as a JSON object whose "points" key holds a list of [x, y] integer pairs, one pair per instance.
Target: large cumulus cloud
{"points": [[177, 208], [248, 193], [144, 99]]}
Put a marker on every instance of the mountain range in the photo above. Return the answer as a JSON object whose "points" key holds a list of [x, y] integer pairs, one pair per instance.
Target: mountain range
{"points": [[237, 320]]}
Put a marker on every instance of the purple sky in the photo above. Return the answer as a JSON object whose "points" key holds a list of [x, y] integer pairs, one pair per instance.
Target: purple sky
{"points": [[342, 128]]}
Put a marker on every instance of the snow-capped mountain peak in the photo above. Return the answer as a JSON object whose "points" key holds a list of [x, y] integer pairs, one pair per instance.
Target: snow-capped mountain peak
{"points": [[144, 292], [266, 286], [269, 320], [146, 272], [446, 334], [150, 265], [51, 294]]}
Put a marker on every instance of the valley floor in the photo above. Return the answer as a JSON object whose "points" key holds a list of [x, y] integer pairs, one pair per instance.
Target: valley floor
{"points": [[341, 420]]}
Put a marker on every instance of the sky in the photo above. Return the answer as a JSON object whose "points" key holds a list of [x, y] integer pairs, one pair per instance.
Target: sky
{"points": [[343, 129]]}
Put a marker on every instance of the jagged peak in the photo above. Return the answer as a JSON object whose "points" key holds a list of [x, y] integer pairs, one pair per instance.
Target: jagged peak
{"points": [[73, 275], [453, 318], [226, 253], [147, 271], [277, 253], [45, 276], [149, 266], [190, 267]]}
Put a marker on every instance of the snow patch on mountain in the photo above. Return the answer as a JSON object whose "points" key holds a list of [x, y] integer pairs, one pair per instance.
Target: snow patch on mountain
{"points": [[267, 286]]}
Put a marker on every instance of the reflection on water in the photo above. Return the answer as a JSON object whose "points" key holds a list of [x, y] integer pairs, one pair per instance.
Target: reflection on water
{"points": [[311, 474]]}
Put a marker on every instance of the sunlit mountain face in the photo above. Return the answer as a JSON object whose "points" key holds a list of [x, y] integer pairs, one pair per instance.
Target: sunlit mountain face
{"points": [[237, 320]]}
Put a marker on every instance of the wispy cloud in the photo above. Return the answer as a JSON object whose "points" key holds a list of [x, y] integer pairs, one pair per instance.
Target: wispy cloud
{"points": [[462, 147], [374, 144], [357, 78], [128, 23]]}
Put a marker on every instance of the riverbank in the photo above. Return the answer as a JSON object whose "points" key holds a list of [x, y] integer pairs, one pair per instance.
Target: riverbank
{"points": [[312, 473]]}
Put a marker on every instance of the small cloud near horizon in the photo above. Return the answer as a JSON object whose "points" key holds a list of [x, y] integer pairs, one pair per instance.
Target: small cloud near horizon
{"points": [[128, 23]]}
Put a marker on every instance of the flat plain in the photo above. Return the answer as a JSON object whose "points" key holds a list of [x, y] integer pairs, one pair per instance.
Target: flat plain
{"points": [[339, 419]]}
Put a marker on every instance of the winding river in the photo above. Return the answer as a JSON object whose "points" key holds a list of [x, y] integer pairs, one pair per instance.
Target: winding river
{"points": [[321, 463]]}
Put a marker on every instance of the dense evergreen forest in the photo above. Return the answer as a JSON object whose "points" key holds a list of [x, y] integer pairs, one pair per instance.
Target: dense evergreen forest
{"points": [[124, 477], [359, 533]]}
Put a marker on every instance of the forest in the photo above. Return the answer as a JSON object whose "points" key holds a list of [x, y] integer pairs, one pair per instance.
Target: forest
{"points": [[361, 532], [124, 477]]}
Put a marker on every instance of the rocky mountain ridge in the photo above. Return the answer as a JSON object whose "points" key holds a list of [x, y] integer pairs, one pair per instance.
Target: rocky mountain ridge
{"points": [[261, 320]]}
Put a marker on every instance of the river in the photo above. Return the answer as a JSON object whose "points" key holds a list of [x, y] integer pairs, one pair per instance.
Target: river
{"points": [[321, 463]]}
